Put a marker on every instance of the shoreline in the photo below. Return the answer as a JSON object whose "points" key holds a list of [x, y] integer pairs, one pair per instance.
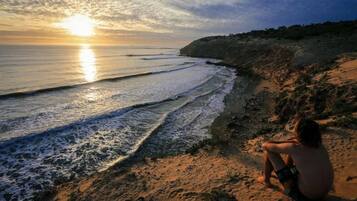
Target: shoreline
{"points": [[123, 163], [245, 87]]}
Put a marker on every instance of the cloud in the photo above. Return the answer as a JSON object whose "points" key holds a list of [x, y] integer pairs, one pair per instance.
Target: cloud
{"points": [[173, 18]]}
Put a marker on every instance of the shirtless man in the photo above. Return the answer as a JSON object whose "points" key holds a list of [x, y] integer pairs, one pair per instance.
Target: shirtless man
{"points": [[307, 173]]}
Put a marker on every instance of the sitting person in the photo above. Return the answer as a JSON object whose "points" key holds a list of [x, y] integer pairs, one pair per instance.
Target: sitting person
{"points": [[307, 173]]}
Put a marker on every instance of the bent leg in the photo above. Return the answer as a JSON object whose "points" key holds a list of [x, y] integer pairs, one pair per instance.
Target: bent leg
{"points": [[272, 161], [276, 160], [268, 168]]}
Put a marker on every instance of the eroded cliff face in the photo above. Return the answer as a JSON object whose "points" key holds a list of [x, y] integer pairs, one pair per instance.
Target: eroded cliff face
{"points": [[298, 67]]}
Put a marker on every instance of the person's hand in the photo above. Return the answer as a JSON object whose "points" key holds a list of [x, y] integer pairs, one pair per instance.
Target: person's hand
{"points": [[265, 145]]}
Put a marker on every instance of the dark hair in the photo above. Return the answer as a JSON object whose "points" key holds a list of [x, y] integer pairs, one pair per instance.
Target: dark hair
{"points": [[308, 133]]}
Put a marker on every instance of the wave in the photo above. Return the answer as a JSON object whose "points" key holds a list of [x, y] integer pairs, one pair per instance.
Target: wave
{"points": [[50, 61], [155, 48], [67, 137], [160, 58], [143, 55], [6, 125], [41, 134], [73, 133], [118, 112], [159, 125], [51, 89], [97, 117], [24, 61]]}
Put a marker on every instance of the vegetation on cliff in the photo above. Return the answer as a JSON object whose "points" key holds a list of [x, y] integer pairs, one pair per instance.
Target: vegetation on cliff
{"points": [[297, 32]]}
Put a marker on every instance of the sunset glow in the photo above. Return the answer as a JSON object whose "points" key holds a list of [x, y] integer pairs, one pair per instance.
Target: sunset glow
{"points": [[78, 25], [171, 23]]}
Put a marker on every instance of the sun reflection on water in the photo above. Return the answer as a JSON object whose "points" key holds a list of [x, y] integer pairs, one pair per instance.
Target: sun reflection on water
{"points": [[87, 62], [92, 94]]}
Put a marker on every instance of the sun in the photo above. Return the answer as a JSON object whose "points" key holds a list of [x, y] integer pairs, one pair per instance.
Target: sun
{"points": [[78, 25]]}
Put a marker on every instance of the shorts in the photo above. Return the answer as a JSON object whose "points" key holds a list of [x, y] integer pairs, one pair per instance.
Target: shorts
{"points": [[290, 174]]}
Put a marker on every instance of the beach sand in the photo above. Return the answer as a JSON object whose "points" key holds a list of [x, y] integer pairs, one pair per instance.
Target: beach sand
{"points": [[227, 168]]}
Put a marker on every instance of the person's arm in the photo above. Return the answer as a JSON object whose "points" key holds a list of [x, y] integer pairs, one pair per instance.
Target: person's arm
{"points": [[283, 147], [289, 140], [282, 141]]}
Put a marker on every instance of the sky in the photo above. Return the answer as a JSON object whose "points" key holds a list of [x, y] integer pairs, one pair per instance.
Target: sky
{"points": [[158, 22]]}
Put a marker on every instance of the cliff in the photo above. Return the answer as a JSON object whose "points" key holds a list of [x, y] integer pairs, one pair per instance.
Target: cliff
{"points": [[300, 60]]}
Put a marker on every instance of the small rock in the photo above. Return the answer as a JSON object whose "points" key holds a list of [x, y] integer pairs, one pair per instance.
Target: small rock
{"points": [[7, 196], [349, 178], [141, 199], [231, 125]]}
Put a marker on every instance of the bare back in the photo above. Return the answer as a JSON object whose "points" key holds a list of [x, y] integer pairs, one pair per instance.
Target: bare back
{"points": [[315, 170]]}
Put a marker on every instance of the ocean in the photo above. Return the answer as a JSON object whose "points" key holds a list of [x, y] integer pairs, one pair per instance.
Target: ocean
{"points": [[70, 111]]}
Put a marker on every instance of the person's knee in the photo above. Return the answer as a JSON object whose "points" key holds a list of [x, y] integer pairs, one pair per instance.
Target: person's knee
{"points": [[272, 155], [275, 159]]}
